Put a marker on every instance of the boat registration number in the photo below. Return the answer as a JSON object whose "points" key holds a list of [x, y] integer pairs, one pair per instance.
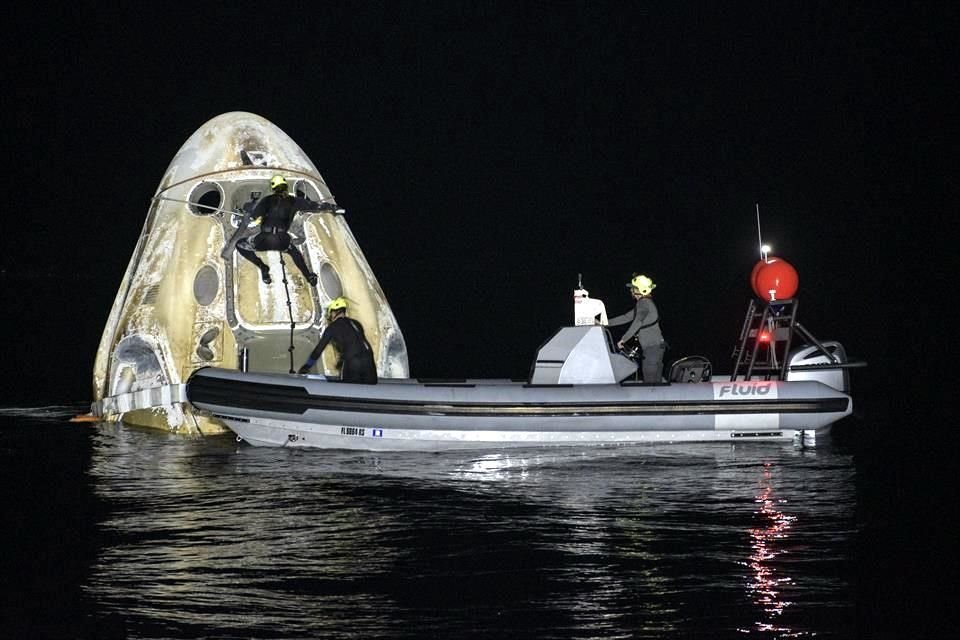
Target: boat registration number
{"points": [[361, 431]]}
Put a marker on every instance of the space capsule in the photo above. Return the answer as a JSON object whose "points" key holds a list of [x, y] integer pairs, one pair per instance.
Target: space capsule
{"points": [[189, 300]]}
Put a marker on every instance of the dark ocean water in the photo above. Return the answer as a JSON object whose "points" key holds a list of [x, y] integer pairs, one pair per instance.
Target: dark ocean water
{"points": [[112, 531]]}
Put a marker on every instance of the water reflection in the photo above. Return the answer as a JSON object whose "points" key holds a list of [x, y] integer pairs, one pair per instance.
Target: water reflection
{"points": [[767, 542], [212, 537]]}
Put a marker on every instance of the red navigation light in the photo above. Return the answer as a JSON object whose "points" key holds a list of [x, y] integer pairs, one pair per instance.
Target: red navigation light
{"points": [[764, 336]]}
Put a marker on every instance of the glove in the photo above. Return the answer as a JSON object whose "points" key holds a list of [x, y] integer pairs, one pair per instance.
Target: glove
{"points": [[331, 208], [305, 369]]}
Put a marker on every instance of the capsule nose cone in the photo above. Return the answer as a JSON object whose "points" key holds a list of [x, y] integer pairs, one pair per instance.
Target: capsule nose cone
{"points": [[233, 141]]}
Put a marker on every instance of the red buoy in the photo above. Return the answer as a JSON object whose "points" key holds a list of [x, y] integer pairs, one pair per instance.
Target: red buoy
{"points": [[756, 269], [775, 280]]}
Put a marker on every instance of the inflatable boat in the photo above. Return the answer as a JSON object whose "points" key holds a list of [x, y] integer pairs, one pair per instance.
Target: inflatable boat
{"points": [[581, 391]]}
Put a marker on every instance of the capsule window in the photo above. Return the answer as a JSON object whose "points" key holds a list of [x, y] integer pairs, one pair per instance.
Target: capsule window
{"points": [[206, 199], [206, 284], [330, 281], [306, 189]]}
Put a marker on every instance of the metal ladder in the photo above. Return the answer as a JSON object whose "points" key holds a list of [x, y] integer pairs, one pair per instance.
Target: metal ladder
{"points": [[763, 349]]}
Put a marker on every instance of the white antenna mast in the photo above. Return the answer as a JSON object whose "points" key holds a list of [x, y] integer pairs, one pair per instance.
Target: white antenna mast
{"points": [[763, 248], [759, 238]]}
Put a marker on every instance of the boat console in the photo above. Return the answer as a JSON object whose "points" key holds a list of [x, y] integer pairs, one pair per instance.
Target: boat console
{"points": [[580, 355]]}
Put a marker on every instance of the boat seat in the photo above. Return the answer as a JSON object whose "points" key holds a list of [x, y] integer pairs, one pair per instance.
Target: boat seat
{"points": [[690, 369]]}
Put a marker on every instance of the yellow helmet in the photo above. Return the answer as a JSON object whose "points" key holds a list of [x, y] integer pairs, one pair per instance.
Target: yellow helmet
{"points": [[278, 182], [643, 284], [337, 304]]}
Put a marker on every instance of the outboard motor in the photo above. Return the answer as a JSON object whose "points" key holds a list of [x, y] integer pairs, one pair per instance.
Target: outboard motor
{"points": [[811, 363]]}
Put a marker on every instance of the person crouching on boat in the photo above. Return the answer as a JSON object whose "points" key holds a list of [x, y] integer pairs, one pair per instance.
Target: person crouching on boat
{"points": [[346, 334], [644, 321]]}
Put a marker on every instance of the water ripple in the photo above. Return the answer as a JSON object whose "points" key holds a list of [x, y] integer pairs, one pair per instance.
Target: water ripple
{"points": [[211, 538]]}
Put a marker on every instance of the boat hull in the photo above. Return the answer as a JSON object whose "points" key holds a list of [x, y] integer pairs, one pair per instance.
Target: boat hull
{"points": [[311, 411]]}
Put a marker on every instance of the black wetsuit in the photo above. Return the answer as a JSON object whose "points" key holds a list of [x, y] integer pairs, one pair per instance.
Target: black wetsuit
{"points": [[356, 356], [276, 212]]}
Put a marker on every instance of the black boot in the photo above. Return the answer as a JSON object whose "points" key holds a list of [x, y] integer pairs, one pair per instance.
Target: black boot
{"points": [[265, 274], [312, 279]]}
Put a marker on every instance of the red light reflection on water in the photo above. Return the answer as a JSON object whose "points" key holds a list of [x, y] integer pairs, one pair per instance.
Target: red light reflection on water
{"points": [[766, 543]]}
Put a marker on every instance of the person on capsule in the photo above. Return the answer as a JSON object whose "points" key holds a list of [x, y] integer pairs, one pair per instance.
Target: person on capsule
{"points": [[346, 334], [275, 213], [644, 321]]}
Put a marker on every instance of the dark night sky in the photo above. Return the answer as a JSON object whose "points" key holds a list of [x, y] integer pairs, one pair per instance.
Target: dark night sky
{"points": [[488, 153]]}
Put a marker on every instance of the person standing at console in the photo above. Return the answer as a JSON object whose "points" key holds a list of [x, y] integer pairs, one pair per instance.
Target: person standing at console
{"points": [[644, 321]]}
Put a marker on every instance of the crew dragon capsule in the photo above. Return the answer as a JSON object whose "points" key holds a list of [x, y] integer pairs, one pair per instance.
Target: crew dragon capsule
{"points": [[190, 300]]}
